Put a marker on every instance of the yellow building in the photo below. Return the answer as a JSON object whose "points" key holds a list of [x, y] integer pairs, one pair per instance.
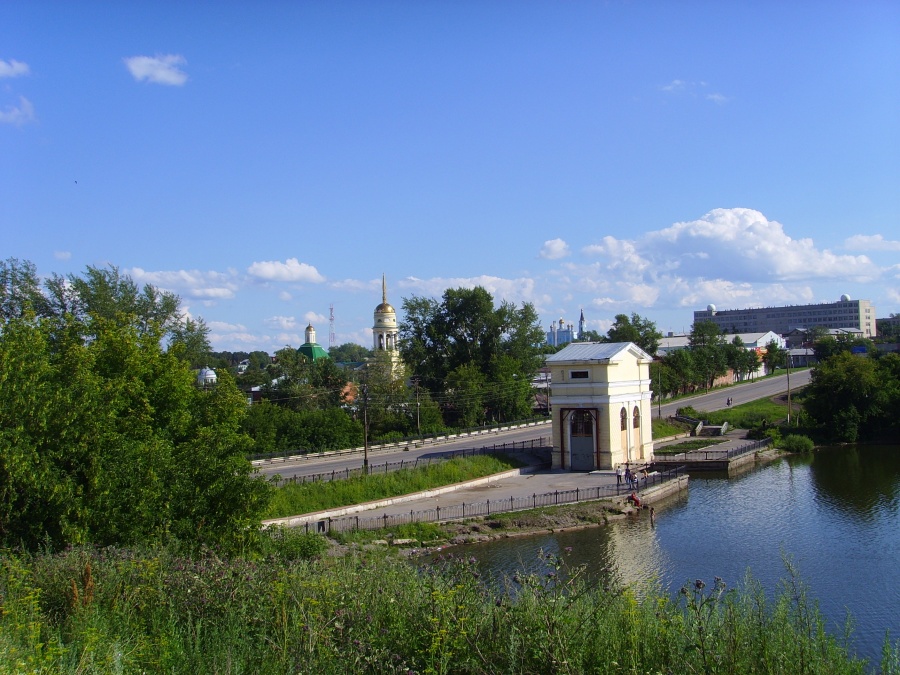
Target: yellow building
{"points": [[601, 403]]}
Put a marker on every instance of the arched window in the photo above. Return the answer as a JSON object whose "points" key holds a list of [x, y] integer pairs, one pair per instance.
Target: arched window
{"points": [[623, 416], [381, 341], [636, 423]]}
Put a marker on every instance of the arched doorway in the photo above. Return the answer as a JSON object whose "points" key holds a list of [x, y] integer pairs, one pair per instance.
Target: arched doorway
{"points": [[581, 440]]}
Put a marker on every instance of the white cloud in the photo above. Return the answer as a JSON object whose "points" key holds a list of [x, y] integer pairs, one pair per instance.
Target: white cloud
{"points": [[13, 68], [717, 98], [315, 319], [285, 296], [282, 322], [512, 290], [554, 249], [874, 242], [62, 255], [160, 69], [731, 257], [674, 85], [18, 115], [290, 270], [208, 286], [742, 244], [224, 327]]}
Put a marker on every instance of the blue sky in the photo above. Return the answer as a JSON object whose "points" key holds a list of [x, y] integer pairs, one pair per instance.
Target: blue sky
{"points": [[267, 160]]}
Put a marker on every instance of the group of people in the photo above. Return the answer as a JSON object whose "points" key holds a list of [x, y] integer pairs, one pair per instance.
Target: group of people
{"points": [[628, 477]]}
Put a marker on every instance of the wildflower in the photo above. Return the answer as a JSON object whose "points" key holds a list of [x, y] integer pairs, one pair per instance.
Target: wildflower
{"points": [[699, 585]]}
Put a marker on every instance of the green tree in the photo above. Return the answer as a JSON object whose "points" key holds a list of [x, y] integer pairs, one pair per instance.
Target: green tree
{"points": [[350, 352], [775, 356], [189, 341], [464, 344], [20, 290], [741, 360], [591, 336], [707, 352], [846, 395], [636, 329], [105, 439]]}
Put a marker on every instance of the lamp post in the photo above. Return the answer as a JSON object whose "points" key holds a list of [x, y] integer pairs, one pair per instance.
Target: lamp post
{"points": [[789, 387], [418, 425], [659, 390], [365, 389]]}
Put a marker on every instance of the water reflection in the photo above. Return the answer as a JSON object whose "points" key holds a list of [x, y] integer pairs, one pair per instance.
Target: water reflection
{"points": [[832, 515], [857, 481]]}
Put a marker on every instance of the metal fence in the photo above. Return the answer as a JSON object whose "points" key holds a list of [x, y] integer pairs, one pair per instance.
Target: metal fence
{"points": [[450, 434], [490, 506], [711, 454], [511, 448]]}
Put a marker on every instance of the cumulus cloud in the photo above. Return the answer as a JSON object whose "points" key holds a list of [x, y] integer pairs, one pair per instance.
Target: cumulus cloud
{"points": [[289, 270], [874, 242], [207, 286], [159, 69], [743, 244], [18, 114], [732, 257], [282, 322], [13, 68], [512, 290], [314, 318], [285, 296], [554, 249]]}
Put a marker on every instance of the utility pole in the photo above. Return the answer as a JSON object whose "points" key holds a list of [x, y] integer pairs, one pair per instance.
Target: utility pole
{"points": [[789, 386], [365, 393], [418, 425]]}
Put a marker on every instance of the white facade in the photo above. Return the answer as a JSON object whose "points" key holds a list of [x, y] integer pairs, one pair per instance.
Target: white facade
{"points": [[601, 402], [845, 313]]}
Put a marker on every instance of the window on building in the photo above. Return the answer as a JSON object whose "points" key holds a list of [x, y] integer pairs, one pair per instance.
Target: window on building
{"points": [[579, 375], [636, 418], [623, 417], [582, 423]]}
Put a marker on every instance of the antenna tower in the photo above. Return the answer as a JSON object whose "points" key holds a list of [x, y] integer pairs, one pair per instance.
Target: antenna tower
{"points": [[331, 338]]}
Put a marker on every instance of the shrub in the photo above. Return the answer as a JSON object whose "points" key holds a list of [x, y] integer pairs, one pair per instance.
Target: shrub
{"points": [[797, 443]]}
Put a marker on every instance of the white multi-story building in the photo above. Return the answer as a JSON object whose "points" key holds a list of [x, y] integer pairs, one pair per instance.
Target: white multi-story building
{"points": [[845, 313]]}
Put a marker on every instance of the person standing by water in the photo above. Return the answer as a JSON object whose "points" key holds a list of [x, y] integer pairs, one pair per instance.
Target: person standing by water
{"points": [[619, 474]]}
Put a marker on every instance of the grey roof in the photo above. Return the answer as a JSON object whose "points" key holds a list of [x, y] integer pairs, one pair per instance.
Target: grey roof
{"points": [[596, 351]]}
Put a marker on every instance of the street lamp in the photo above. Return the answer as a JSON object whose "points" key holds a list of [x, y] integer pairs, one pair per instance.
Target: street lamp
{"points": [[365, 393]]}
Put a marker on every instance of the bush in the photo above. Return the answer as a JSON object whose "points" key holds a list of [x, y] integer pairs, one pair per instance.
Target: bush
{"points": [[797, 443], [289, 544]]}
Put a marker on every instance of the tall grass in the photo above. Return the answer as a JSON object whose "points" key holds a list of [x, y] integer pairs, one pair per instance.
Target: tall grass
{"points": [[112, 611], [297, 498]]}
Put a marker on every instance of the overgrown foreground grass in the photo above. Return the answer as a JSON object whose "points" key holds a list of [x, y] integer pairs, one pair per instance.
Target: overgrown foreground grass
{"points": [[297, 498], [117, 611]]}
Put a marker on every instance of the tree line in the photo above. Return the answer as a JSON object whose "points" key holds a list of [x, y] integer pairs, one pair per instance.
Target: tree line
{"points": [[104, 437]]}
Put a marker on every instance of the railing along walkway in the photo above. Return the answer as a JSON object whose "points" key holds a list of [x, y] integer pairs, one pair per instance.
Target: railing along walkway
{"points": [[491, 506], [711, 454], [511, 448]]}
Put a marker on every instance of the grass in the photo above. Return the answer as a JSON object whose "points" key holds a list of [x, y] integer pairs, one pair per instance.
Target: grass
{"points": [[662, 428], [743, 416], [299, 498], [91, 611]]}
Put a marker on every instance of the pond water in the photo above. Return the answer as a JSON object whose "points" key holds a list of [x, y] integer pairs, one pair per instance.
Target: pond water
{"points": [[834, 515]]}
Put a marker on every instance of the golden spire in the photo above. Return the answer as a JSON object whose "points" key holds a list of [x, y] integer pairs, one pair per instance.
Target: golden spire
{"points": [[383, 290]]}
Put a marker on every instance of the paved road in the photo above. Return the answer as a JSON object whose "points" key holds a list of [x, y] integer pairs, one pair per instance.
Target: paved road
{"points": [[315, 464]]}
